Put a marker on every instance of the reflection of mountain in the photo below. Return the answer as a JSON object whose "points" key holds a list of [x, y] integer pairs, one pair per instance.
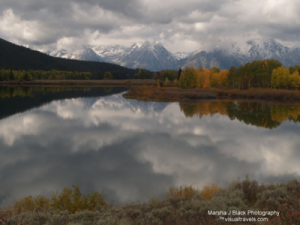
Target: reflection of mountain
{"points": [[24, 98], [254, 113], [117, 102]]}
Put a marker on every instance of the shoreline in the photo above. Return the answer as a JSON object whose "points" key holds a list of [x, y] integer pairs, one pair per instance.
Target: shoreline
{"points": [[97, 83], [180, 205], [146, 90]]}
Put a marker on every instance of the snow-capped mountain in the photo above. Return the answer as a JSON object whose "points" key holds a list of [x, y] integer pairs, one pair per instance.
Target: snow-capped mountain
{"points": [[181, 55], [273, 49], [83, 54], [267, 49], [150, 56], [217, 58], [112, 54], [118, 103], [154, 57], [236, 56]]}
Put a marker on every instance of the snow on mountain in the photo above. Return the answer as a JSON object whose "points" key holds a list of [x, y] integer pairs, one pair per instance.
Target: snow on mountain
{"points": [[117, 102], [110, 53], [239, 55], [181, 55], [267, 49], [86, 53], [154, 57], [150, 56], [217, 58], [147, 55]]}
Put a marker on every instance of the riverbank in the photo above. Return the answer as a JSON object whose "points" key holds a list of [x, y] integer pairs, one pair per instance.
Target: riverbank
{"points": [[80, 83], [174, 94]]}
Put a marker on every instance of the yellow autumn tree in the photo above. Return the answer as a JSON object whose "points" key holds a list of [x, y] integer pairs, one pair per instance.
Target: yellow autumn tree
{"points": [[206, 74], [200, 78], [188, 78], [175, 82], [295, 79], [223, 78], [167, 81], [280, 77], [209, 191], [71, 200], [213, 77]]}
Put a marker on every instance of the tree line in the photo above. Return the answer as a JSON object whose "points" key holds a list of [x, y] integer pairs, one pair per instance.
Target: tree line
{"points": [[29, 75], [257, 74]]}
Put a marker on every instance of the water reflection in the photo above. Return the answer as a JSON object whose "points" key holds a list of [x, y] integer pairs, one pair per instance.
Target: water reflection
{"points": [[259, 114], [19, 99], [130, 149]]}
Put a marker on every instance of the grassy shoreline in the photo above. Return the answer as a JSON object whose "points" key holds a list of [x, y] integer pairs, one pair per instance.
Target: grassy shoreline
{"points": [[174, 94], [95, 83], [183, 205]]}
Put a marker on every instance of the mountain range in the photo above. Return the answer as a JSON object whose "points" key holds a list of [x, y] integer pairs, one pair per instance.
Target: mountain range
{"points": [[154, 56], [17, 57]]}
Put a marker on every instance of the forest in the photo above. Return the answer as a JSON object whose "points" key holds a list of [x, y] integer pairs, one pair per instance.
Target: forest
{"points": [[23, 75], [257, 74], [30, 75]]}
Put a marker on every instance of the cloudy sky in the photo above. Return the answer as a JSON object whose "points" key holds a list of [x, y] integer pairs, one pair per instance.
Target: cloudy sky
{"points": [[179, 25]]}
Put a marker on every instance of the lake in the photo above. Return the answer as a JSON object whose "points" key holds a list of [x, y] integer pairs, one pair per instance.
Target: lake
{"points": [[51, 138]]}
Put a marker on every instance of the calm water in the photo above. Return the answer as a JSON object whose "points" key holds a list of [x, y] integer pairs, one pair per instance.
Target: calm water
{"points": [[53, 138]]}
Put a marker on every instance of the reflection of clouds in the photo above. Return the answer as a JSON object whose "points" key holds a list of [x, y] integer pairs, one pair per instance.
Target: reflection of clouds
{"points": [[67, 109], [130, 149], [19, 126]]}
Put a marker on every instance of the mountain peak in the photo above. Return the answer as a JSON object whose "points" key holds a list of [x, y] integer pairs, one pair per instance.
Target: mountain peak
{"points": [[264, 42], [153, 56], [146, 44]]}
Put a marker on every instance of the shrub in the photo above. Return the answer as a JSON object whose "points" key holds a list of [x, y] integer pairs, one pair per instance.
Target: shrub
{"points": [[108, 76], [182, 205], [167, 81], [208, 191], [187, 192]]}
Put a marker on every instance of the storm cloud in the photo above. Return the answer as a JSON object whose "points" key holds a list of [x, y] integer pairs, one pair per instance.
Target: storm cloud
{"points": [[178, 25]]}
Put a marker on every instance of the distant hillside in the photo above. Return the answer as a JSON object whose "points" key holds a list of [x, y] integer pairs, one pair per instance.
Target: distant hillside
{"points": [[21, 58]]}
